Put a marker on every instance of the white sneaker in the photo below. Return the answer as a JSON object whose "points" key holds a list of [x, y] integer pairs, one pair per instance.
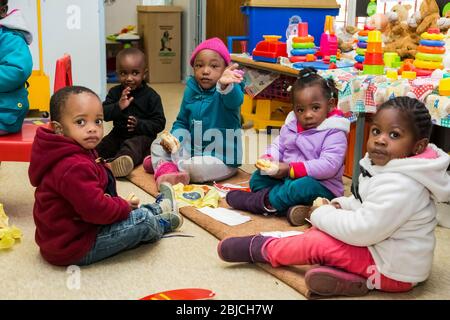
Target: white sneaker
{"points": [[169, 207]]}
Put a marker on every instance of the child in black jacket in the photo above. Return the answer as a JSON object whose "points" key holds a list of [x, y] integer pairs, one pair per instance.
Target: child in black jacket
{"points": [[136, 111]]}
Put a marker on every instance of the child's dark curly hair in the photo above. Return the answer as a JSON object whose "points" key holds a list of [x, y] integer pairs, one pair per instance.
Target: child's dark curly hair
{"points": [[308, 77], [417, 114], [3, 2], [59, 99]]}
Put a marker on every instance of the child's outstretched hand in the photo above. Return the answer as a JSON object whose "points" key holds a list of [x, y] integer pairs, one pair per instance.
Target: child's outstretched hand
{"points": [[125, 100], [132, 123], [231, 75]]}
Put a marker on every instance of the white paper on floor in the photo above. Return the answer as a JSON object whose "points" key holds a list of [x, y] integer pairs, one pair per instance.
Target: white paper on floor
{"points": [[280, 234], [227, 216]]}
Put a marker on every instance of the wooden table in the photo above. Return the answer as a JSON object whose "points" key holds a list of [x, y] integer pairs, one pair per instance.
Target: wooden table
{"points": [[274, 67]]}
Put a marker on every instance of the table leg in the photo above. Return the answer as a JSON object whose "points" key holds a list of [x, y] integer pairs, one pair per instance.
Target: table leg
{"points": [[357, 152]]}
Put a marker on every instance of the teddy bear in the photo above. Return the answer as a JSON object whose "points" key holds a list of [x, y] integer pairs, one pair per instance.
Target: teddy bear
{"points": [[346, 39], [399, 36], [405, 42], [397, 20], [426, 17], [444, 23]]}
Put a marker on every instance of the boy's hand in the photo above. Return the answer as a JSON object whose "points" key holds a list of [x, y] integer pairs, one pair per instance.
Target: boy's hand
{"points": [[132, 123], [133, 201], [125, 101], [231, 75]]}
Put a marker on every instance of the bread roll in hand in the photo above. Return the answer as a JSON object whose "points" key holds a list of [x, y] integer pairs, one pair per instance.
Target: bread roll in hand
{"points": [[169, 142], [267, 167], [320, 202]]}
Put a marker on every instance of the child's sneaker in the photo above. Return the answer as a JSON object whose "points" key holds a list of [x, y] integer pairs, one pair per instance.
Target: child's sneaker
{"points": [[170, 215], [122, 166], [167, 199], [172, 221], [326, 281], [147, 164], [297, 215]]}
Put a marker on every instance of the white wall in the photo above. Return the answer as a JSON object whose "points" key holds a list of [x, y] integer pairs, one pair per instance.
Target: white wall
{"points": [[75, 27], [123, 12], [188, 28], [28, 10], [120, 14]]}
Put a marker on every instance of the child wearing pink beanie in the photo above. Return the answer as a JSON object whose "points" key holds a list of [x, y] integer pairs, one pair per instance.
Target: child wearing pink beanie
{"points": [[205, 140]]}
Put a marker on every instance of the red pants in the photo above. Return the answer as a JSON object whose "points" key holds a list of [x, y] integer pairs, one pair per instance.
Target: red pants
{"points": [[317, 247]]}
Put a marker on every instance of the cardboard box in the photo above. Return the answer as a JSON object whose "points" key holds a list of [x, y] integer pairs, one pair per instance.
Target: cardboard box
{"points": [[293, 3], [160, 29]]}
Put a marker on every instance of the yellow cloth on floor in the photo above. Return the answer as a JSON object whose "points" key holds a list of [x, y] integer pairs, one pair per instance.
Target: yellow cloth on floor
{"points": [[8, 235], [195, 195]]}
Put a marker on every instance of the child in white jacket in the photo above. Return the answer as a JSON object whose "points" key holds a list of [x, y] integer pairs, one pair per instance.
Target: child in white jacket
{"points": [[382, 237]]}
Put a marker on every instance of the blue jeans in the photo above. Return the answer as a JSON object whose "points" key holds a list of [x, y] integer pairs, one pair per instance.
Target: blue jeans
{"points": [[141, 226]]}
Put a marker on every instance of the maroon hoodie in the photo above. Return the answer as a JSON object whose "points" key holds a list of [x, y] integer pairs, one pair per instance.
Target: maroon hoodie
{"points": [[70, 201]]}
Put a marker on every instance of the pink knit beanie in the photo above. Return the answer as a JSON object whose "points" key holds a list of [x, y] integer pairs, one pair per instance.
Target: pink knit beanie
{"points": [[214, 44]]}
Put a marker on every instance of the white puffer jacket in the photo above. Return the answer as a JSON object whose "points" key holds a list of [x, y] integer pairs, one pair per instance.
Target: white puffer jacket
{"points": [[397, 215]]}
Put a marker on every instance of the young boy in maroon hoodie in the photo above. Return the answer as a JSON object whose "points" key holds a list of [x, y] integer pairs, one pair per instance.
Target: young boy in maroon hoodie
{"points": [[79, 217]]}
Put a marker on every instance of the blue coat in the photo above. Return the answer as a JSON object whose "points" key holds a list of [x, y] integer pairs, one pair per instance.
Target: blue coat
{"points": [[16, 65], [212, 122]]}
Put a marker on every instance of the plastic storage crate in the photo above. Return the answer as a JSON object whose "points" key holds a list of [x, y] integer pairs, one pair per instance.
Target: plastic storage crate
{"points": [[278, 90], [274, 21]]}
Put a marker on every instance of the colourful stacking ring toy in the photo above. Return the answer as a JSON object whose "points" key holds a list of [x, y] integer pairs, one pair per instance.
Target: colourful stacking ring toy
{"points": [[303, 45], [359, 58], [432, 43], [362, 45], [302, 52], [433, 50], [432, 65], [302, 39], [363, 33], [432, 36], [423, 72], [358, 66], [429, 56], [295, 59], [363, 39], [360, 51]]}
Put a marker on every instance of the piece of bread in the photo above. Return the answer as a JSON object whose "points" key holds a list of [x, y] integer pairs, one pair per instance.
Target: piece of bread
{"points": [[320, 202], [171, 142], [267, 166]]}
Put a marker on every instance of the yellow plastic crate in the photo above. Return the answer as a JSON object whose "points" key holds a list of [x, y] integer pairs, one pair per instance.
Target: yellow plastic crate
{"points": [[39, 91]]}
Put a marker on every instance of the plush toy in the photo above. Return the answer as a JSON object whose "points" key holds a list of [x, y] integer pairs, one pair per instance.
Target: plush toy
{"points": [[444, 26], [405, 44], [400, 37], [426, 17], [379, 21], [397, 21], [444, 23], [346, 39]]}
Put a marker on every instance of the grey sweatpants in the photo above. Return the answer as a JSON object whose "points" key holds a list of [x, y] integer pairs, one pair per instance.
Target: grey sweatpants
{"points": [[201, 169]]}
